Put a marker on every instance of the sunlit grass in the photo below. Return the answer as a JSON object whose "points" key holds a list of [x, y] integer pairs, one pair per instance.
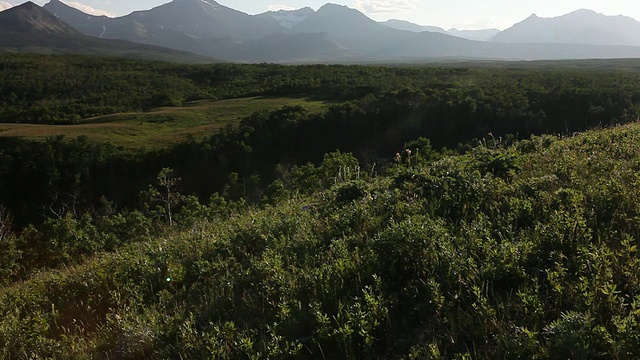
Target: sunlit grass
{"points": [[162, 126]]}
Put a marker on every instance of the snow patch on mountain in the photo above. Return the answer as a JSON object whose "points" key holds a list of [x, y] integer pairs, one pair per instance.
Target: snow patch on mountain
{"points": [[213, 4], [289, 20]]}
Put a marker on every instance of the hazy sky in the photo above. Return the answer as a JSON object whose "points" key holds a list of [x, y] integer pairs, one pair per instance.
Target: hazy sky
{"points": [[463, 14]]}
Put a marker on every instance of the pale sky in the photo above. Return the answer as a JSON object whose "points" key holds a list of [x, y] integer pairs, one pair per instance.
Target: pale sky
{"points": [[462, 14]]}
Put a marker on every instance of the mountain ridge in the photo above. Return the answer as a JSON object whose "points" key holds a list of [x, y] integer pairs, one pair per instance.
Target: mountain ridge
{"points": [[582, 26], [338, 33], [30, 28], [28, 17], [478, 35]]}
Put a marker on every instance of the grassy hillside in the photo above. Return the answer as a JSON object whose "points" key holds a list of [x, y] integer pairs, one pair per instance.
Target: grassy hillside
{"points": [[254, 242], [160, 127], [527, 251]]}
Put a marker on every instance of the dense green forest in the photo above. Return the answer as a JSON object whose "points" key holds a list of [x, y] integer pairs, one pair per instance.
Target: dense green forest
{"points": [[443, 212], [66, 89], [377, 110]]}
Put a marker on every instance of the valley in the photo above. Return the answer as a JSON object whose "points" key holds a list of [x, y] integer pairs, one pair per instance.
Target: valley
{"points": [[192, 182]]}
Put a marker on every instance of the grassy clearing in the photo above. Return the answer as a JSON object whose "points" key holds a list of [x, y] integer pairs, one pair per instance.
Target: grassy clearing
{"points": [[162, 126]]}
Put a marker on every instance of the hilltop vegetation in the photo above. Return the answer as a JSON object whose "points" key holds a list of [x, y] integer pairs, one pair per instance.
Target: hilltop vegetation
{"points": [[528, 251], [407, 212]]}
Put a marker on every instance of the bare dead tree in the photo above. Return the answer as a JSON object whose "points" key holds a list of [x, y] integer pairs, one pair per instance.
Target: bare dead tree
{"points": [[6, 222], [168, 181]]}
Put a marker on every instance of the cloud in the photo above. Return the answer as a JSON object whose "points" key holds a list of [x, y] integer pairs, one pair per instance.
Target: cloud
{"points": [[280, 7], [385, 6], [5, 5], [88, 9]]}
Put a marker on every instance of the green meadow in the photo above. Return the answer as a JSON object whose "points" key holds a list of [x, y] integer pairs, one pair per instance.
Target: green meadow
{"points": [[162, 126]]}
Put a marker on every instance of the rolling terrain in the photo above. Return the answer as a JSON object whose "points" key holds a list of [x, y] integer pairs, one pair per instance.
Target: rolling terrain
{"points": [[159, 128], [519, 251], [453, 211], [458, 209]]}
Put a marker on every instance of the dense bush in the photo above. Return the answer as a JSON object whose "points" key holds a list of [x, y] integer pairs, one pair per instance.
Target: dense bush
{"points": [[497, 253]]}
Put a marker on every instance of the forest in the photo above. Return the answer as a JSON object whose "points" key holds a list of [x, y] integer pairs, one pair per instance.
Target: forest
{"points": [[448, 211]]}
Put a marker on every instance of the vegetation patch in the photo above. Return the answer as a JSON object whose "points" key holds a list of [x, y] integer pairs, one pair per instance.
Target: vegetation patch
{"points": [[395, 213], [162, 127]]}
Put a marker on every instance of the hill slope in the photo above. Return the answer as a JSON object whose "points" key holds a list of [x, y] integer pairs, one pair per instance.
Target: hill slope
{"points": [[522, 251]]}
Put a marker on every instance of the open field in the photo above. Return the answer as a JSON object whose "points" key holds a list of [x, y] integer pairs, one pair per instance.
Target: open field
{"points": [[161, 126]]}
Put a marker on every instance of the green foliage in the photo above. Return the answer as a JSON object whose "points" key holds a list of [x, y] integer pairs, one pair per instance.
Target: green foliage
{"points": [[350, 191], [448, 258], [500, 164], [510, 249], [576, 336], [10, 257], [374, 113]]}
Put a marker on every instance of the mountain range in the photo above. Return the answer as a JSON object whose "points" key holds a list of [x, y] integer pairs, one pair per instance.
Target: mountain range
{"points": [[30, 28], [336, 33], [579, 27], [479, 35]]}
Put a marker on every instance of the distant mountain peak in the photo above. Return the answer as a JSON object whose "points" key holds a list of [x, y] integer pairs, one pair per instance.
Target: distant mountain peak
{"points": [[58, 7], [343, 12], [202, 2], [29, 5], [584, 11], [211, 3], [288, 19], [582, 26], [305, 9], [333, 5], [57, 4], [30, 17]]}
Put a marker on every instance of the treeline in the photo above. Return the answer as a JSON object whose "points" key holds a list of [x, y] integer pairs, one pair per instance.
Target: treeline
{"points": [[66, 89], [378, 110]]}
